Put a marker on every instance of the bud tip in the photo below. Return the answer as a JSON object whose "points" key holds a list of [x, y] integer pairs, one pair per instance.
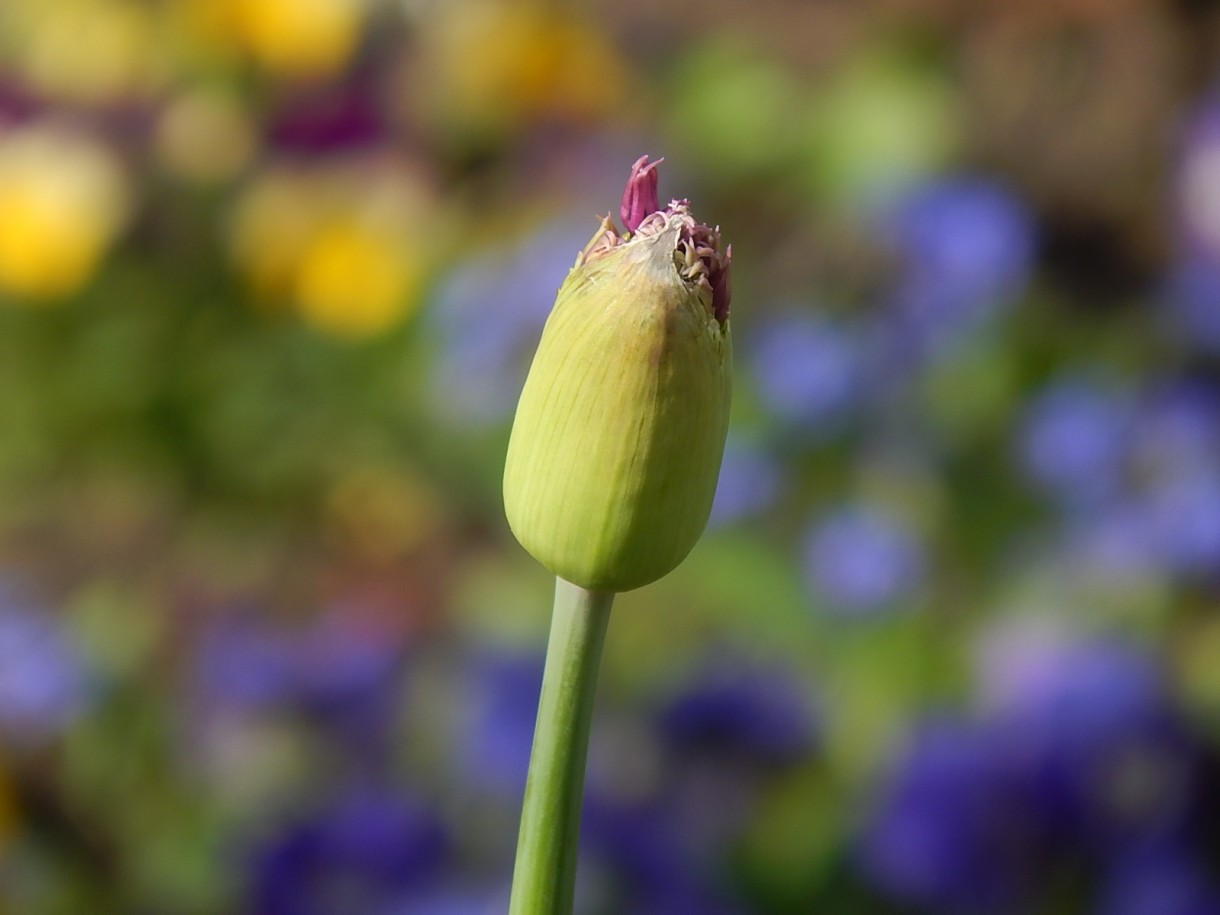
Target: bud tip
{"points": [[640, 195]]}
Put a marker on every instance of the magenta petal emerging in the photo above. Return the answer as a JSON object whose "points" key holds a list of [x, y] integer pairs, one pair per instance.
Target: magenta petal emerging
{"points": [[640, 194]]}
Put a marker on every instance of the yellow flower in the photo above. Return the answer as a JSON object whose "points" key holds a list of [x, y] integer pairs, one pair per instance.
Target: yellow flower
{"points": [[86, 50], [272, 227], [63, 199], [345, 250], [494, 64], [355, 277], [300, 38], [205, 135]]}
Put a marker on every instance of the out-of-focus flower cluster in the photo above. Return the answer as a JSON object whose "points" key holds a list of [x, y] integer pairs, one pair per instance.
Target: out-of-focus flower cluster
{"points": [[271, 272]]}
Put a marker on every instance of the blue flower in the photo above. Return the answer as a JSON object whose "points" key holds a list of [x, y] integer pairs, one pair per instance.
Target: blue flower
{"points": [[644, 864], [44, 685], [727, 713], [1184, 516], [861, 559], [807, 369], [344, 676], [1163, 880], [1177, 429], [487, 318], [1091, 727], [458, 900], [1075, 759], [967, 247], [947, 834], [750, 481], [1074, 438], [499, 705], [1192, 292], [369, 850], [1112, 545]]}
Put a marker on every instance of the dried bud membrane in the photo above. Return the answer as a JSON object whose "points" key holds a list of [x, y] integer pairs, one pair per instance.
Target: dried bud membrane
{"points": [[616, 446]]}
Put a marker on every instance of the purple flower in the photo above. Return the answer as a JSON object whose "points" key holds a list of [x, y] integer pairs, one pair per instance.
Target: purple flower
{"points": [[862, 558], [328, 118], [1198, 180], [807, 369]]}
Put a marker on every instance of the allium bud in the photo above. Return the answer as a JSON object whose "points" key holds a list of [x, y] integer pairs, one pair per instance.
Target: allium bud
{"points": [[618, 436]]}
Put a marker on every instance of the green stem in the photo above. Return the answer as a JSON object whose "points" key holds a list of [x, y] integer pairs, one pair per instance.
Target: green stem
{"points": [[545, 874]]}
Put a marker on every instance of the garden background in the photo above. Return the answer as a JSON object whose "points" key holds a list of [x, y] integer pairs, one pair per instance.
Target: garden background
{"points": [[271, 272]]}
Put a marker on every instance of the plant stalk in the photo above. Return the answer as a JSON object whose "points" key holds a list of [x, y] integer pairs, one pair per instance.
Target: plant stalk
{"points": [[544, 877]]}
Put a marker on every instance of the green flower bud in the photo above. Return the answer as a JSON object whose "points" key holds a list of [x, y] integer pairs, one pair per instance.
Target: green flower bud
{"points": [[616, 445]]}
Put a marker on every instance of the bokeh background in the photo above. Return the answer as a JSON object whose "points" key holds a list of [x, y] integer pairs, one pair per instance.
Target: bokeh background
{"points": [[271, 272]]}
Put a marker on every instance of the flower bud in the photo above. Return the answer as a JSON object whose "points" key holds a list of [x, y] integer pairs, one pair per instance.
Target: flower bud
{"points": [[616, 445]]}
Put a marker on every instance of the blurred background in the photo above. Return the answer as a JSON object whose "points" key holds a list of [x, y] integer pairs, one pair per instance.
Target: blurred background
{"points": [[271, 272]]}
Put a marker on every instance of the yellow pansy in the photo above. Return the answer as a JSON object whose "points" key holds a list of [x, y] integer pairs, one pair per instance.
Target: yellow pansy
{"points": [[85, 50], [63, 199], [343, 248], [491, 64], [303, 38]]}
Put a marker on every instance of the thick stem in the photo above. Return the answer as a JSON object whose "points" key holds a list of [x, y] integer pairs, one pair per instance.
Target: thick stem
{"points": [[545, 874]]}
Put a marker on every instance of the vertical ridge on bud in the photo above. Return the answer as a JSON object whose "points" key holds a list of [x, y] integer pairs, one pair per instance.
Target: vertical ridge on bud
{"points": [[617, 441]]}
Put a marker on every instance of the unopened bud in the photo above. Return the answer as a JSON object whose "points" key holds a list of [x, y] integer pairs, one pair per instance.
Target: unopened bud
{"points": [[616, 446]]}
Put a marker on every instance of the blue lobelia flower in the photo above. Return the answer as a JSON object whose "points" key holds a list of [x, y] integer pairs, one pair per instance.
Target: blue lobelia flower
{"points": [[640, 861], [729, 713], [1075, 762], [1093, 729], [44, 685], [1190, 316], [486, 318], [948, 834], [1073, 440], [862, 559], [341, 674], [1165, 878], [1177, 429], [370, 849], [966, 247], [1184, 517], [750, 481], [499, 704], [807, 369]]}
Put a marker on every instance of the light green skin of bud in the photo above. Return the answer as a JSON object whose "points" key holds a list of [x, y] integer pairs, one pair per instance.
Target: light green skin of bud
{"points": [[619, 433]]}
